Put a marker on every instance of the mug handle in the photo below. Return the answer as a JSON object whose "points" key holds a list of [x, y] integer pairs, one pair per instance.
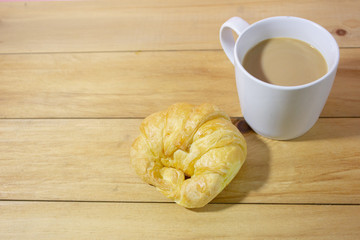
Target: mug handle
{"points": [[237, 25]]}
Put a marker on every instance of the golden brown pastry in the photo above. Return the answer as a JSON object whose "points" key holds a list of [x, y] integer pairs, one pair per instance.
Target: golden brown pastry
{"points": [[189, 153]]}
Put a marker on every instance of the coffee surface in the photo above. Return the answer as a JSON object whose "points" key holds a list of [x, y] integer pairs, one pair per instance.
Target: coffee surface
{"points": [[285, 62]]}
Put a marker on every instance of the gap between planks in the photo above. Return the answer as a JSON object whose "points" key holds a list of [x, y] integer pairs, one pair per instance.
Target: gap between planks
{"points": [[131, 51], [158, 202], [129, 118]]}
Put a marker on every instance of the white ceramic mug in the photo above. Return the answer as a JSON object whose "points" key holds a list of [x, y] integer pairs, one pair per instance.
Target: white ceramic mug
{"points": [[279, 112]]}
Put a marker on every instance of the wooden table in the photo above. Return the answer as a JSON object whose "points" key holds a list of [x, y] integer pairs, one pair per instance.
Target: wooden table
{"points": [[76, 80]]}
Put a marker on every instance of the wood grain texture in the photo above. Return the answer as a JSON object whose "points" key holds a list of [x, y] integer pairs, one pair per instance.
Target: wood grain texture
{"points": [[78, 26], [88, 159], [76, 77], [103, 85], [33, 220]]}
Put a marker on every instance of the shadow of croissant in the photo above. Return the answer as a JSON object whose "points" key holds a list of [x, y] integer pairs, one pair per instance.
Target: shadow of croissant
{"points": [[252, 176]]}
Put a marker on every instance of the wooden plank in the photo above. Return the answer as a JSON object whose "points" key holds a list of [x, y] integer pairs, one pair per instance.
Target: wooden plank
{"points": [[78, 26], [344, 99], [113, 84], [137, 84], [88, 159], [66, 220]]}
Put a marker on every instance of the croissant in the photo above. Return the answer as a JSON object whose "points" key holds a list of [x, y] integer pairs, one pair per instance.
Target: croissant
{"points": [[189, 153]]}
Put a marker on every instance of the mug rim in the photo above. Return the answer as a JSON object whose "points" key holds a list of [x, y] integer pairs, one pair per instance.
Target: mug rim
{"points": [[296, 87]]}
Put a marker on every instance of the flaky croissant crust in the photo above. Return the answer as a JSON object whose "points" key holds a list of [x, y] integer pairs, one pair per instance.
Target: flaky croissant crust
{"points": [[190, 153]]}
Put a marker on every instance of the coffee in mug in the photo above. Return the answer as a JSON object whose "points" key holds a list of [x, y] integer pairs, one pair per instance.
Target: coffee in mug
{"points": [[285, 62]]}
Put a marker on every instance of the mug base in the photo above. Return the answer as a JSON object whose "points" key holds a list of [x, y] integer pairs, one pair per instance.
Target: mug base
{"points": [[279, 138]]}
